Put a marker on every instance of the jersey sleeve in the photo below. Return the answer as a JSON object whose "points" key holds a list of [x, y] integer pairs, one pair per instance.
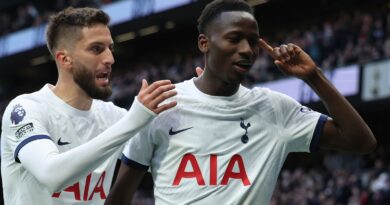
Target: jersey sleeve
{"points": [[138, 150], [119, 113], [23, 122], [301, 127], [44, 161]]}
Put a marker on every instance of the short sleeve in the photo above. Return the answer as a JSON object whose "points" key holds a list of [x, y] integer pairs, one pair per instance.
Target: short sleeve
{"points": [[138, 151], [301, 126], [23, 122]]}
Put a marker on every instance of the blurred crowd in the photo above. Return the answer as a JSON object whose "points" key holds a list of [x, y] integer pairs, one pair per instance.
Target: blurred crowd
{"points": [[348, 38], [341, 179], [31, 14]]}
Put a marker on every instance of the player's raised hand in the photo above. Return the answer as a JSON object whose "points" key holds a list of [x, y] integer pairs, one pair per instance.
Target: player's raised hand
{"points": [[291, 59], [152, 95]]}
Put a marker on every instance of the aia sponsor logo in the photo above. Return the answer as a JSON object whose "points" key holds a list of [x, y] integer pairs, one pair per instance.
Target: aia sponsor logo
{"points": [[190, 162], [87, 192]]}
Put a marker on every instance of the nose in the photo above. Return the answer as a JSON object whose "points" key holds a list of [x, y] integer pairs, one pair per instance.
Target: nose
{"points": [[108, 57]]}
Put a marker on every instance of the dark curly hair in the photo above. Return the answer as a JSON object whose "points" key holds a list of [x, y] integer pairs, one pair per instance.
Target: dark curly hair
{"points": [[215, 8], [69, 22]]}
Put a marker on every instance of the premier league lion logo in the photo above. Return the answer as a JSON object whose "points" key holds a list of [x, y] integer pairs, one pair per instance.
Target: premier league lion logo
{"points": [[17, 114]]}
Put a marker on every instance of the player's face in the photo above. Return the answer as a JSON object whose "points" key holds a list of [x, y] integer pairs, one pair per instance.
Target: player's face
{"points": [[233, 46], [92, 61]]}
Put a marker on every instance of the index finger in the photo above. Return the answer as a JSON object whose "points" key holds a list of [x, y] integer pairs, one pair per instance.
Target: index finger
{"points": [[266, 46]]}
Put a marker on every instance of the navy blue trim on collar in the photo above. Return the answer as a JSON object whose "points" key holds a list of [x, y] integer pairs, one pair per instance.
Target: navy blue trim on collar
{"points": [[26, 141], [133, 164], [314, 145]]}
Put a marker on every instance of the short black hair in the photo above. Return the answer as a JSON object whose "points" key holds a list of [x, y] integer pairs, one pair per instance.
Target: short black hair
{"points": [[215, 8], [70, 21]]}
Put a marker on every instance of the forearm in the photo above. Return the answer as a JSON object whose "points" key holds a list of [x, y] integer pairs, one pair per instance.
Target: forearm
{"points": [[47, 164], [352, 128]]}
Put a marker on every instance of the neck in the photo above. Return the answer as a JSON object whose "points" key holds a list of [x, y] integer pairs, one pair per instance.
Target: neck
{"points": [[72, 95], [215, 87]]}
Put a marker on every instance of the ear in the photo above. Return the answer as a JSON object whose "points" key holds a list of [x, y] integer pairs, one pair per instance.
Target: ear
{"points": [[63, 58], [203, 43]]}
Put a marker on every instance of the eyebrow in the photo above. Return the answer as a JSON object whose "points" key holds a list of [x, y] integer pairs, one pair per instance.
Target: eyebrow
{"points": [[237, 32], [100, 43]]}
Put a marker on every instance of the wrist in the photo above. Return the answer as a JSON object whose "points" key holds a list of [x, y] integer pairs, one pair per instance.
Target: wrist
{"points": [[314, 76], [141, 108]]}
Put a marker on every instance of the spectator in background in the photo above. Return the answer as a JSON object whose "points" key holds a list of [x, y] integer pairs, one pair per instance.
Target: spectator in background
{"points": [[26, 15], [5, 24]]}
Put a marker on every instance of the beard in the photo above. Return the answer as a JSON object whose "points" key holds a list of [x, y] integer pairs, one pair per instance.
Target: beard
{"points": [[86, 81]]}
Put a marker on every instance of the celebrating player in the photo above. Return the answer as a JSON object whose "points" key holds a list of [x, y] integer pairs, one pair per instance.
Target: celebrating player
{"points": [[225, 143], [52, 151]]}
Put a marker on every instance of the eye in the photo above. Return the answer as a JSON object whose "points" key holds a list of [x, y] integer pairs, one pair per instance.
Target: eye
{"points": [[96, 49], [234, 39]]}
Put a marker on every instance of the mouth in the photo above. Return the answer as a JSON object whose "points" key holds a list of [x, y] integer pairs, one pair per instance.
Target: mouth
{"points": [[243, 65], [103, 78]]}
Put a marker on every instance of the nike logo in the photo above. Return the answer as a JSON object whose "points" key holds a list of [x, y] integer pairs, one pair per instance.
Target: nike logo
{"points": [[59, 142], [172, 132]]}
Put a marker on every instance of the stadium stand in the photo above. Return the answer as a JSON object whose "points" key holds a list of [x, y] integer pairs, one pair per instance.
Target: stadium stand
{"points": [[334, 33]]}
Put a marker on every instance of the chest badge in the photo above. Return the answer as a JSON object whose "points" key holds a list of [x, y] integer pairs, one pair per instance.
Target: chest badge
{"points": [[245, 138]]}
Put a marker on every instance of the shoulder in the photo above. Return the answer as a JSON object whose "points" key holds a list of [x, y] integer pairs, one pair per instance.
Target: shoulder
{"points": [[270, 94], [183, 89], [264, 98], [30, 99], [24, 102], [23, 110], [262, 91], [184, 85], [254, 94]]}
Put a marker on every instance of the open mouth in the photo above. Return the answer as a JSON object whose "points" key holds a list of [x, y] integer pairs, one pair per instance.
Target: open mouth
{"points": [[103, 77], [243, 65]]}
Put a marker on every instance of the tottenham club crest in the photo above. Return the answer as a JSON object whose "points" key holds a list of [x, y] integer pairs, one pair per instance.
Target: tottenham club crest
{"points": [[17, 114], [245, 138]]}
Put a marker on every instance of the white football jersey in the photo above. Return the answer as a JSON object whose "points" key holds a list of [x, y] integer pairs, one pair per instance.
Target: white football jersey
{"points": [[222, 150], [43, 116]]}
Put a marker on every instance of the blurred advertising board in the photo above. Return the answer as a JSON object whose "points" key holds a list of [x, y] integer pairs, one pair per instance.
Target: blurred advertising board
{"points": [[120, 11], [376, 80], [345, 79]]}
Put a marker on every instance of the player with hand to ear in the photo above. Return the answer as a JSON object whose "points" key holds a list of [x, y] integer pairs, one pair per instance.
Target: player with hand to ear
{"points": [[347, 131]]}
